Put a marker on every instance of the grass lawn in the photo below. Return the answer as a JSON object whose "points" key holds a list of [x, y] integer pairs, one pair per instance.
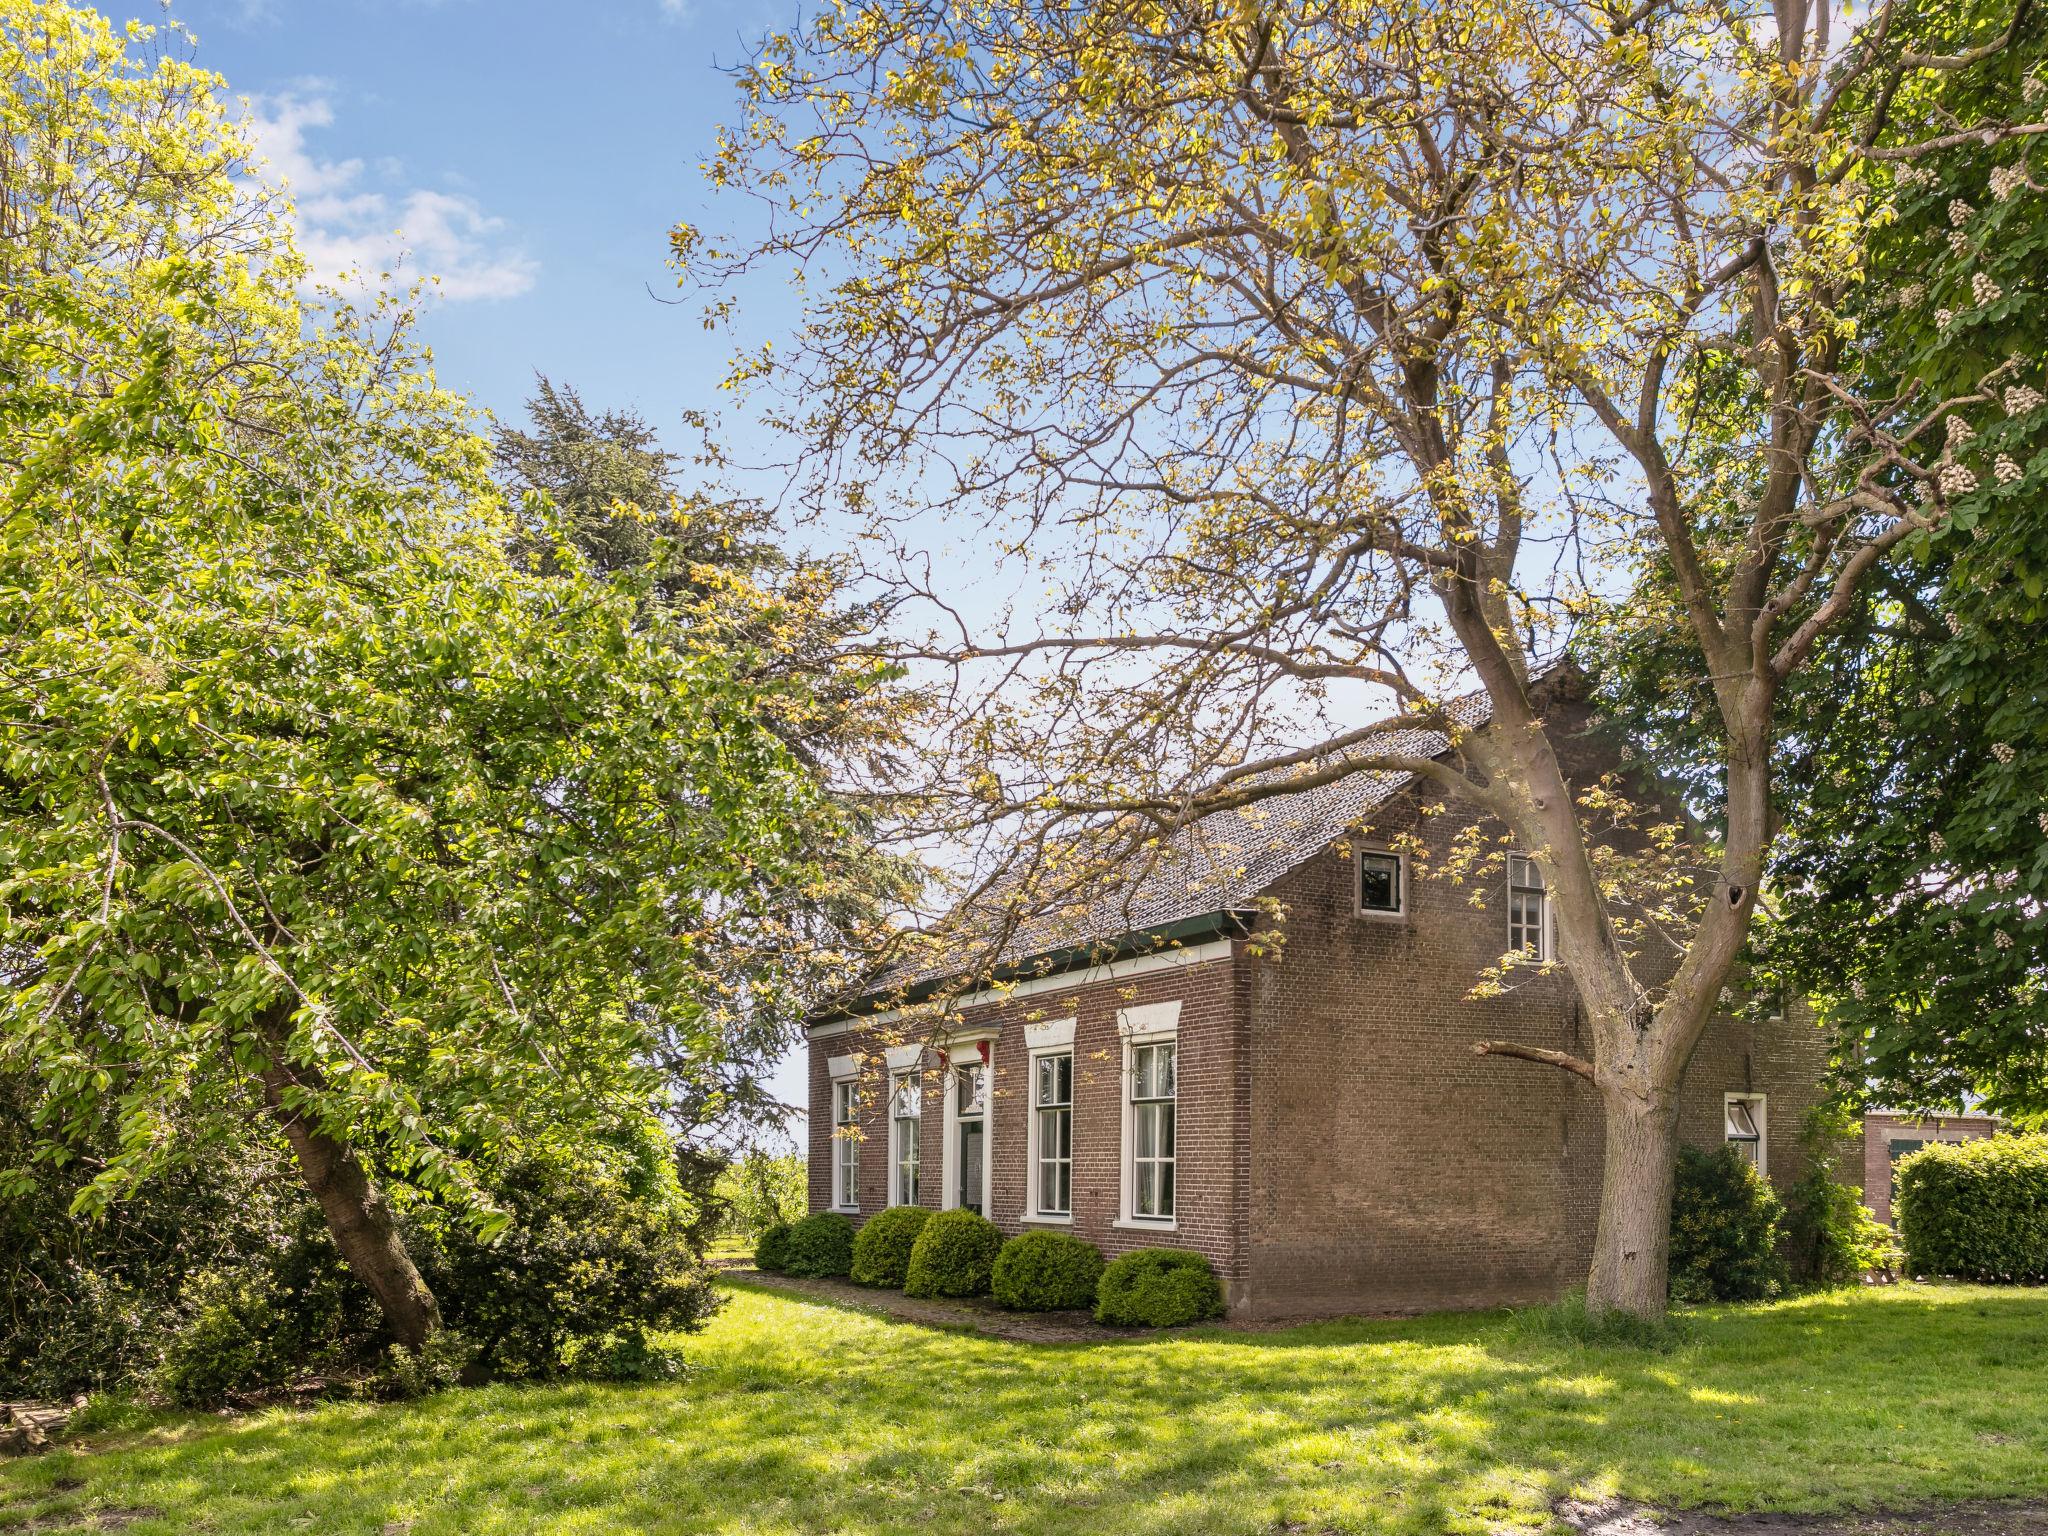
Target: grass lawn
{"points": [[806, 1417]]}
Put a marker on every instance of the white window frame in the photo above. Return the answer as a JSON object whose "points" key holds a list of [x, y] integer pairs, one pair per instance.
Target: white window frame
{"points": [[1146, 1024], [904, 1061], [1358, 858], [1054, 1038], [968, 1053], [845, 1075], [1546, 927], [1760, 1111]]}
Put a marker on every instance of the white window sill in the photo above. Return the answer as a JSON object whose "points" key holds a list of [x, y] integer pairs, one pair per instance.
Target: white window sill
{"points": [[1035, 1220], [845, 1210], [1365, 915], [1146, 1224]]}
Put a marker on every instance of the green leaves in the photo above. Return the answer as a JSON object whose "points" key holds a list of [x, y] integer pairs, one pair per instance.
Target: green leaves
{"points": [[306, 753]]}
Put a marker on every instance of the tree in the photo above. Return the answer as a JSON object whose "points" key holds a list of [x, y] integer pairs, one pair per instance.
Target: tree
{"points": [[317, 799], [1305, 350], [1908, 889]]}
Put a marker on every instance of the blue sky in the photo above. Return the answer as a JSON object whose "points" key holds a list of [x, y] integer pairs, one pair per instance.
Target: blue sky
{"points": [[533, 154]]}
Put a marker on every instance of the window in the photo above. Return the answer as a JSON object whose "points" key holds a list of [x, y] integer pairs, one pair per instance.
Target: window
{"points": [[969, 1127], [846, 1144], [1052, 1109], [906, 1104], [1528, 908], [1152, 1107], [1746, 1122], [1380, 891]]}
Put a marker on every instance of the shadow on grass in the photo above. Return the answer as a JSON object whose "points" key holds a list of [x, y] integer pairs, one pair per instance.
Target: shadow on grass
{"points": [[803, 1414]]}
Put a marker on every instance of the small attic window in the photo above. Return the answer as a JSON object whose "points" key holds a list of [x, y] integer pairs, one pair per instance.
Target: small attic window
{"points": [[1381, 888]]}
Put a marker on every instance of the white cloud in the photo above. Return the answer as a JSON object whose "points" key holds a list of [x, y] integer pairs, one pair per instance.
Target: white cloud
{"points": [[348, 224]]}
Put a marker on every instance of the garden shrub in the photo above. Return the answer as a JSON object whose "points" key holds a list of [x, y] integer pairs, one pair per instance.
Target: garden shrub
{"points": [[820, 1247], [1157, 1288], [881, 1248], [604, 1240], [954, 1255], [771, 1253], [1977, 1210], [1833, 1237], [1725, 1229], [1046, 1272]]}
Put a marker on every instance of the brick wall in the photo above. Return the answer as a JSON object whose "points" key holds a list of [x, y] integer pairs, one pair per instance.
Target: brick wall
{"points": [[1882, 1128], [1213, 1098]]}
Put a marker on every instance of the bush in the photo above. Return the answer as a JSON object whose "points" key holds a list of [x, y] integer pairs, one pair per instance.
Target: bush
{"points": [[1834, 1239], [226, 1345], [1976, 1209], [1157, 1288], [881, 1249], [1046, 1272], [771, 1254], [603, 1240], [820, 1246], [1725, 1221], [954, 1255]]}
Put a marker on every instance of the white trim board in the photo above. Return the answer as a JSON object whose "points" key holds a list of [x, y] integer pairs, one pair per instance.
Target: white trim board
{"points": [[1115, 970]]}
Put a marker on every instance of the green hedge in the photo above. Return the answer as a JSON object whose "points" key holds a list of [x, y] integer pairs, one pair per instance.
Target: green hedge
{"points": [[820, 1246], [881, 1249], [1976, 1209], [1046, 1272], [1157, 1288], [953, 1256], [1725, 1229], [771, 1253]]}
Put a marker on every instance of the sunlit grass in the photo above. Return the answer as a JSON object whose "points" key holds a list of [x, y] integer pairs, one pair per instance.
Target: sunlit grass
{"points": [[802, 1417]]}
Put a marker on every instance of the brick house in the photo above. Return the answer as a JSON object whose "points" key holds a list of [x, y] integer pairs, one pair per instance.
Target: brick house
{"points": [[1311, 1118], [1890, 1134]]}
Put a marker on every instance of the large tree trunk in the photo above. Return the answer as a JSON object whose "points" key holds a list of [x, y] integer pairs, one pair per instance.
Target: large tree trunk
{"points": [[1632, 1247], [358, 1216]]}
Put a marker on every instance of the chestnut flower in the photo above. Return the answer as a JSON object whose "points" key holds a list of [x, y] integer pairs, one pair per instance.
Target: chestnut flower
{"points": [[1958, 431], [2002, 752], [1911, 295], [2005, 469], [1956, 480], [1942, 317], [1959, 212], [1983, 290], [1938, 843], [2002, 939], [2021, 398]]}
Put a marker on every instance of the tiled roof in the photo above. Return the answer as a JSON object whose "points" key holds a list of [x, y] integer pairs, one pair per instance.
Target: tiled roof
{"points": [[1217, 864]]}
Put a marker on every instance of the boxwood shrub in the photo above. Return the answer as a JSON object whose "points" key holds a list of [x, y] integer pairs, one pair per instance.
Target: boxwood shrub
{"points": [[1046, 1272], [771, 1253], [820, 1246], [953, 1256], [1976, 1209], [881, 1248], [1157, 1288], [1726, 1223]]}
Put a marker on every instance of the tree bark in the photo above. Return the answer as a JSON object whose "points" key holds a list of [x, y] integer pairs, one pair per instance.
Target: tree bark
{"points": [[1632, 1248], [358, 1216]]}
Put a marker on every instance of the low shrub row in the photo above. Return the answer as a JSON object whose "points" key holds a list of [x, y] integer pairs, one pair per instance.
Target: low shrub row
{"points": [[957, 1253]]}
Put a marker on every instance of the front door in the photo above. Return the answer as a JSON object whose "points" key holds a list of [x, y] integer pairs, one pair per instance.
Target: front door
{"points": [[973, 1118]]}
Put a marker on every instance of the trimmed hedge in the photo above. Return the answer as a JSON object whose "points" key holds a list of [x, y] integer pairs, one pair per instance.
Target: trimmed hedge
{"points": [[820, 1246], [1976, 1209], [1046, 1272], [953, 1256], [771, 1253], [881, 1248], [1157, 1288], [1725, 1229]]}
